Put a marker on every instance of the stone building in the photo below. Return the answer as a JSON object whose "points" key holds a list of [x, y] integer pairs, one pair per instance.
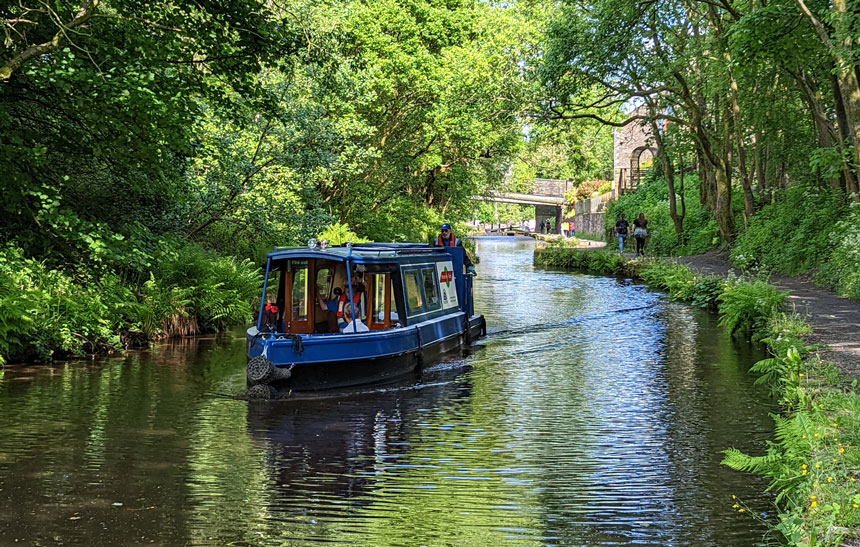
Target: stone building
{"points": [[634, 150]]}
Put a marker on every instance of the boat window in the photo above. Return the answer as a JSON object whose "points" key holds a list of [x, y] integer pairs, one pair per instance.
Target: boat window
{"points": [[273, 304], [300, 291], [431, 293], [413, 290], [325, 277], [379, 282]]}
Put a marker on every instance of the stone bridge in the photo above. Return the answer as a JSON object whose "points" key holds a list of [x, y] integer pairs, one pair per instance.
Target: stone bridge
{"points": [[547, 196]]}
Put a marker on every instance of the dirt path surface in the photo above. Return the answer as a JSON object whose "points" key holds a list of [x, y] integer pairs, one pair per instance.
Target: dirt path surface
{"points": [[835, 320]]}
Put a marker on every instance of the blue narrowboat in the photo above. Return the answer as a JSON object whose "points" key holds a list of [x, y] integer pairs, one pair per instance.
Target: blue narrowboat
{"points": [[411, 302]]}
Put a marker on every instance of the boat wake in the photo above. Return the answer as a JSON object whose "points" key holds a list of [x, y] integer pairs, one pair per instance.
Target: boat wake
{"points": [[565, 323]]}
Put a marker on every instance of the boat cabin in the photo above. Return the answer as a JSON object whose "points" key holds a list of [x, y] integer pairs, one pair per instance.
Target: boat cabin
{"points": [[392, 285]]}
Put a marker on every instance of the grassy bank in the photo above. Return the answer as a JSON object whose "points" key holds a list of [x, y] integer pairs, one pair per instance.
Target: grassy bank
{"points": [[49, 312], [813, 462]]}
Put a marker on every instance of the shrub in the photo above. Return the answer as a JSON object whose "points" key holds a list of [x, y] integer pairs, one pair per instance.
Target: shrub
{"points": [[46, 313], [749, 306], [606, 262], [675, 279], [193, 291], [793, 235], [840, 272]]}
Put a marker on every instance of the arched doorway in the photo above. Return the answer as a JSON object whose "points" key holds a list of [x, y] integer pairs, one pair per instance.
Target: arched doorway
{"points": [[641, 159]]}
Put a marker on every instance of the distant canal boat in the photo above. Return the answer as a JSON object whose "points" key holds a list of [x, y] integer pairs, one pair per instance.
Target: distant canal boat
{"points": [[414, 299]]}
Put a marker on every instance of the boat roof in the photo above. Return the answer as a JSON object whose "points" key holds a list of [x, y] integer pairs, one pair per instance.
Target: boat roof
{"points": [[359, 252]]}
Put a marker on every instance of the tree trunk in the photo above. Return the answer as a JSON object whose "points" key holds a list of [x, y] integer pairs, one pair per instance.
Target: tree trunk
{"points": [[846, 77], [749, 199], [723, 213], [669, 173], [707, 184], [849, 178], [761, 175], [826, 131]]}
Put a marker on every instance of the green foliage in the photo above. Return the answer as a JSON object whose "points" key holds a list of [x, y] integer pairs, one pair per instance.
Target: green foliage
{"points": [[340, 234], [748, 306], [793, 235], [213, 291], [840, 272], [676, 279], [600, 262], [812, 462], [45, 311]]}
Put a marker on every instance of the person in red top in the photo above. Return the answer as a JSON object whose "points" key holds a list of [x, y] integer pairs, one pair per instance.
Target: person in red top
{"points": [[359, 300], [447, 239]]}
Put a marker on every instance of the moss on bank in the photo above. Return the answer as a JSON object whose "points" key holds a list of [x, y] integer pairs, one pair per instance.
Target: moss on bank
{"points": [[813, 462]]}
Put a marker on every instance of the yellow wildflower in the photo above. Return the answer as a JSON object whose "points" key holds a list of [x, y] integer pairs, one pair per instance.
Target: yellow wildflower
{"points": [[817, 465], [813, 497], [735, 506], [815, 504], [805, 471], [804, 466], [816, 435], [829, 479], [740, 510], [842, 451]]}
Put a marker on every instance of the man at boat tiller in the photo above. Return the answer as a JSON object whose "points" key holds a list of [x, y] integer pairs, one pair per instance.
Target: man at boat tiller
{"points": [[447, 239]]}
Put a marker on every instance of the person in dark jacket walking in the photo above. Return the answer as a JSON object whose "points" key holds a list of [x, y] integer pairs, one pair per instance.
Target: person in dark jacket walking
{"points": [[621, 231]]}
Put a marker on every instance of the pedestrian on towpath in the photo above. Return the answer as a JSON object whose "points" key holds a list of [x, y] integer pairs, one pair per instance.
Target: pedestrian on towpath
{"points": [[640, 232], [621, 231]]}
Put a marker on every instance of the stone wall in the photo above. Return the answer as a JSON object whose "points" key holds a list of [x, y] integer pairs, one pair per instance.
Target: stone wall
{"points": [[591, 224], [589, 215], [592, 205]]}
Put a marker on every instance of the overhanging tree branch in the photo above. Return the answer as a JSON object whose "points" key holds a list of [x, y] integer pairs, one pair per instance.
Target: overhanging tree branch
{"points": [[83, 15]]}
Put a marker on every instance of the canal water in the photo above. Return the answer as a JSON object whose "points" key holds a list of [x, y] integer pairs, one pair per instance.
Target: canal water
{"points": [[594, 413]]}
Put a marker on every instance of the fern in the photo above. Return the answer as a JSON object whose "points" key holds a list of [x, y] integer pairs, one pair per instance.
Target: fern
{"points": [[760, 465], [749, 306]]}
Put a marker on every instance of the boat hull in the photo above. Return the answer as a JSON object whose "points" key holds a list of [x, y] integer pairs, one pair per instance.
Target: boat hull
{"points": [[331, 361]]}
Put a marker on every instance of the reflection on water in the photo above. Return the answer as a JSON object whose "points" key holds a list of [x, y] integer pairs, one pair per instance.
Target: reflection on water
{"points": [[593, 414]]}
